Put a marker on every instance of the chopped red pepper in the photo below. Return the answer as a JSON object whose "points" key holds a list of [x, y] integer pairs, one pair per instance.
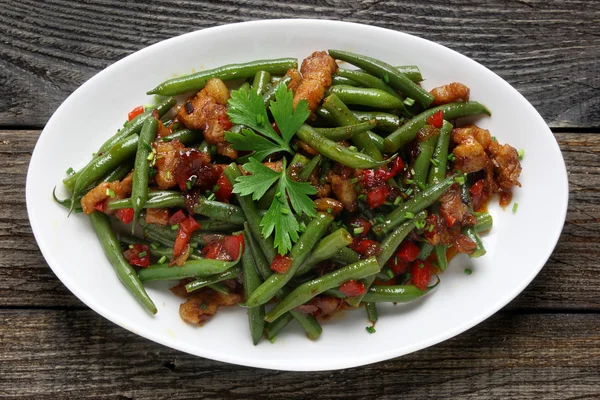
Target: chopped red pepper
{"points": [[377, 197], [360, 222], [477, 194], [281, 263], [224, 121], [352, 288], [397, 166], [232, 244], [215, 251], [125, 215], [186, 228], [366, 247], [100, 206], [407, 251], [177, 217], [421, 273], [436, 120], [225, 189], [135, 112], [133, 255], [450, 219]]}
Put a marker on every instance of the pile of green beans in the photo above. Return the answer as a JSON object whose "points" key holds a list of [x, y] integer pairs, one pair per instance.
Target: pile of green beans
{"points": [[369, 119]]}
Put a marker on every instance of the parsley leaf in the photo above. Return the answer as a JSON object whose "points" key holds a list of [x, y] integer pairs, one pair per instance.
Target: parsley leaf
{"points": [[258, 183], [247, 108], [279, 219], [287, 119]]}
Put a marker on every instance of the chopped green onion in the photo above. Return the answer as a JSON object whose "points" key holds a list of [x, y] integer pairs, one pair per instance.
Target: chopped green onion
{"points": [[329, 210], [352, 148], [70, 171], [397, 200], [420, 224], [175, 227], [460, 180], [409, 102], [515, 207], [213, 149], [154, 246], [211, 196], [358, 231], [408, 191], [162, 260], [216, 188], [421, 185], [521, 153], [203, 306], [421, 265], [370, 329], [468, 271], [435, 162], [379, 220], [409, 181], [430, 228], [354, 180], [131, 246], [110, 193], [142, 254], [362, 196], [188, 184], [151, 172], [494, 138], [451, 157], [409, 215], [168, 175]]}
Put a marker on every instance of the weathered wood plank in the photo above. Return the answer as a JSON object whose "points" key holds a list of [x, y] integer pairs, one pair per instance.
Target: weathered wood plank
{"points": [[80, 354], [49, 48], [569, 281]]}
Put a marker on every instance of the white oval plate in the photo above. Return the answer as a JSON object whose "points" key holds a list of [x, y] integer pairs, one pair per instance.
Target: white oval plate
{"points": [[518, 246]]}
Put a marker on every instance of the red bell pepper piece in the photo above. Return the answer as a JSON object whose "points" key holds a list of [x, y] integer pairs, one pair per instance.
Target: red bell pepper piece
{"points": [[138, 255], [135, 112], [377, 197], [100, 206], [421, 273], [281, 263], [352, 288], [232, 244], [407, 251], [225, 189], [436, 120], [125, 215], [184, 233]]}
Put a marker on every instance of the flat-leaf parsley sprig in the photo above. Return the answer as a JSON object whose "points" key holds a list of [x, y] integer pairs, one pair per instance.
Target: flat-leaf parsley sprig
{"points": [[247, 108], [279, 218]]}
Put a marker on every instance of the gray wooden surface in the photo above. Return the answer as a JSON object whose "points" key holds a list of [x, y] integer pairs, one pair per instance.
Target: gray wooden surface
{"points": [[545, 344]]}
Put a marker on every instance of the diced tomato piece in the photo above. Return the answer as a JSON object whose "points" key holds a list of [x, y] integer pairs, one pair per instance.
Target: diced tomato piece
{"points": [[281, 263], [189, 225], [215, 251], [366, 247], [397, 166], [133, 255], [360, 222], [398, 266], [101, 206], [125, 215], [177, 217], [232, 244], [224, 121], [352, 288], [421, 273], [225, 189], [477, 193], [436, 120], [135, 112], [377, 197], [182, 240], [407, 251]]}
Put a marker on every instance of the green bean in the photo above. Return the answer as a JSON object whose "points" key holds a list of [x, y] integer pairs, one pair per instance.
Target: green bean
{"points": [[105, 163], [437, 171], [252, 281], [261, 81], [394, 294], [371, 312], [219, 211], [206, 148], [346, 132], [345, 256], [441, 256], [337, 152], [407, 132], [166, 236], [388, 73], [219, 287], [425, 251], [139, 188], [300, 252], [273, 328], [310, 289], [423, 159], [184, 136], [340, 80], [231, 273], [328, 247], [367, 80], [385, 121], [270, 94], [307, 322], [387, 248], [309, 168], [343, 116], [189, 269], [156, 251], [196, 81], [112, 249], [411, 71], [367, 97], [419, 202], [163, 200], [252, 216], [118, 173], [484, 222], [471, 233], [377, 140]]}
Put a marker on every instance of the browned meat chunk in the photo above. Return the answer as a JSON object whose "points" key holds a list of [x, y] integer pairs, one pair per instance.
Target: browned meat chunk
{"points": [[167, 158], [329, 205], [161, 130], [159, 216], [121, 190], [453, 209], [207, 111], [201, 307], [344, 191], [294, 74], [506, 165], [470, 152], [316, 73], [450, 93]]}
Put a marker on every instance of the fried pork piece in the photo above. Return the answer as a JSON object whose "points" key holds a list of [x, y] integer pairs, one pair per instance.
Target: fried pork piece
{"points": [[316, 73], [294, 74], [201, 307], [161, 130], [159, 216], [450, 93], [453, 209], [167, 158], [121, 189], [329, 205], [476, 151], [207, 111], [344, 191]]}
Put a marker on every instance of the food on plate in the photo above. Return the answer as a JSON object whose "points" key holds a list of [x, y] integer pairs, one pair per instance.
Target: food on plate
{"points": [[295, 193]]}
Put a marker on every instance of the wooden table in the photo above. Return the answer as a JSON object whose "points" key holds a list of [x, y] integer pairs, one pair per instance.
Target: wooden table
{"points": [[545, 344]]}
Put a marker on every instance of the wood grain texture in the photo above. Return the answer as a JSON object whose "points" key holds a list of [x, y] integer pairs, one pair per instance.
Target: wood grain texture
{"points": [[78, 354], [569, 281], [549, 50]]}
